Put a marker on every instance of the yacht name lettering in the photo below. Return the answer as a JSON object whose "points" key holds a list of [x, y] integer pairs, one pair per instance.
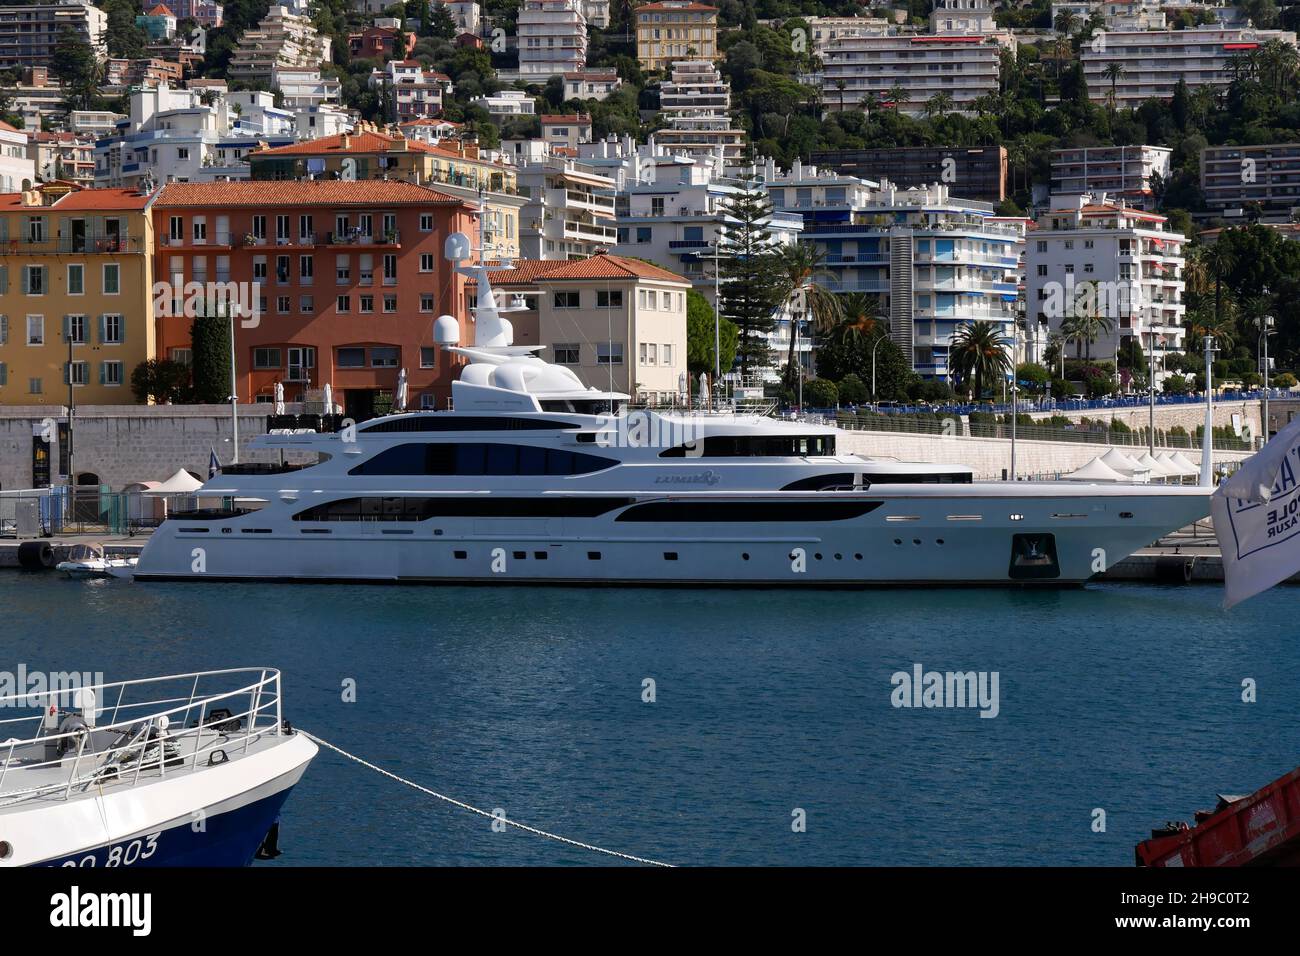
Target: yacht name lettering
{"points": [[699, 478], [75, 909]]}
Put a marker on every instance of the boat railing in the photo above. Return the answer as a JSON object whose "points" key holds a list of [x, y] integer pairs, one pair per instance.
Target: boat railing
{"points": [[152, 732]]}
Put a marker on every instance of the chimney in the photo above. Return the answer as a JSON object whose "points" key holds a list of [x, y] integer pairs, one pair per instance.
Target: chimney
{"points": [[345, 141]]}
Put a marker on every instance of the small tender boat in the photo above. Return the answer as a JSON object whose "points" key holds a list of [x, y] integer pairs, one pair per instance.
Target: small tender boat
{"points": [[89, 561], [185, 770]]}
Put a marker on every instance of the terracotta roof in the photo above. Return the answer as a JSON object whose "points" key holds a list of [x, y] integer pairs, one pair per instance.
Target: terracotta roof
{"points": [[160, 11], [569, 118], [332, 192], [525, 271], [364, 142], [10, 129], [426, 121], [606, 266], [87, 200]]}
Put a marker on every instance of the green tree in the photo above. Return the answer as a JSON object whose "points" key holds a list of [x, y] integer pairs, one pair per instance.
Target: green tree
{"points": [[798, 269], [749, 291], [77, 69], [979, 354], [122, 37], [160, 381], [210, 341], [701, 333]]}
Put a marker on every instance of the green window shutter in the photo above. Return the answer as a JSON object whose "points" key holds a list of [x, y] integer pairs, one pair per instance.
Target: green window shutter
{"points": [[121, 328], [45, 279], [103, 329], [67, 327], [4, 374], [27, 280], [67, 372], [4, 330], [103, 373], [4, 277]]}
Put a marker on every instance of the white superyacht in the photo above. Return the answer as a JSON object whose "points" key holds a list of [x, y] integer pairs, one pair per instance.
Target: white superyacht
{"points": [[537, 479]]}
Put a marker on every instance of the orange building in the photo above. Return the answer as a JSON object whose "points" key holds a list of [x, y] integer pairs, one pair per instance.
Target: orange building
{"points": [[334, 282]]}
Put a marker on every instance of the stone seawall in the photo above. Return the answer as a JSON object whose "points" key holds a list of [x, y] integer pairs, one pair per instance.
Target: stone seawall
{"points": [[124, 444], [990, 456], [1190, 417]]}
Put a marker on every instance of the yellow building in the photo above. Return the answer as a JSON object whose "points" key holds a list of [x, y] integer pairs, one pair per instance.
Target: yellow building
{"points": [[74, 264], [675, 30], [451, 166]]}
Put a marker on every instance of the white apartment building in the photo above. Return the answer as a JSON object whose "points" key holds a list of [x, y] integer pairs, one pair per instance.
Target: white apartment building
{"points": [[569, 212], [174, 136], [507, 103], [466, 14], [552, 38], [29, 34], [1155, 60], [596, 13], [303, 88], [1235, 177], [590, 84], [567, 132], [823, 30], [415, 93], [965, 67], [962, 16], [936, 262], [1125, 172], [1123, 259], [93, 122], [17, 168], [282, 39], [696, 102]]}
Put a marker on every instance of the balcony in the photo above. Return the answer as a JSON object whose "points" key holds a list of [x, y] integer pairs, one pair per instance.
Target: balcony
{"points": [[689, 244], [589, 231], [392, 237], [94, 245]]}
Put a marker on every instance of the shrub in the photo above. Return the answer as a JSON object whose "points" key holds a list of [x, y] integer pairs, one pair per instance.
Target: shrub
{"points": [[852, 390], [1176, 385], [1285, 380], [820, 393]]}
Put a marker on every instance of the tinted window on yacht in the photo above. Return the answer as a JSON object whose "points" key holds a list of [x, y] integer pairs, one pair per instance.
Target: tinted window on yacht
{"points": [[768, 511], [479, 458], [757, 446], [467, 423], [924, 478], [818, 482], [393, 508]]}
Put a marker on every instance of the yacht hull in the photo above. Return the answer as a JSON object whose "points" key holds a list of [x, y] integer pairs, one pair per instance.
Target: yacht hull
{"points": [[1038, 534]]}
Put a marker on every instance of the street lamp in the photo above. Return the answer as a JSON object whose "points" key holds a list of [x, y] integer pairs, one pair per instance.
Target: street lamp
{"points": [[1265, 323]]}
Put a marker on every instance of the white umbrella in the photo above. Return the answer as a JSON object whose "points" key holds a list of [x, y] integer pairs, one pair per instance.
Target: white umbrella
{"points": [[400, 399], [328, 400], [279, 398], [178, 484], [1121, 462], [1157, 467], [1095, 470], [704, 390]]}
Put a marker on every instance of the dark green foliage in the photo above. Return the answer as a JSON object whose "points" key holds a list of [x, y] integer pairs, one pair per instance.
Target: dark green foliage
{"points": [[160, 381], [210, 340]]}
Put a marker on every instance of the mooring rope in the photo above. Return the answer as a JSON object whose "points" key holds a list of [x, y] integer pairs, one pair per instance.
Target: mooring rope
{"points": [[483, 813]]}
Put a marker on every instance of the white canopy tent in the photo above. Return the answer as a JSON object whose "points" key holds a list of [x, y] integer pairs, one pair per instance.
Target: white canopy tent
{"points": [[1157, 467], [181, 483], [1095, 470]]}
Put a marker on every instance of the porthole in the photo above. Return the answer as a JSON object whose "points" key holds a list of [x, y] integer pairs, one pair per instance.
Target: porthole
{"points": [[519, 555], [939, 541], [839, 557], [898, 541], [916, 541], [670, 555], [6, 849], [745, 556], [1126, 514], [593, 555], [857, 557], [460, 555], [818, 555], [540, 555]]}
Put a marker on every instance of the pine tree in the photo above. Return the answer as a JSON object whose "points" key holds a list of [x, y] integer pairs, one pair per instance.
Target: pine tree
{"points": [[210, 341], [749, 292]]}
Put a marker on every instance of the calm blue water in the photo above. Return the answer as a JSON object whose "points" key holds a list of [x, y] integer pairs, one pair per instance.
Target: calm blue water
{"points": [[1121, 697]]}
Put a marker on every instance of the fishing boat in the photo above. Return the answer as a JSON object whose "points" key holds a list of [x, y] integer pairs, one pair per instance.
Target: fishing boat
{"points": [[90, 561], [184, 770]]}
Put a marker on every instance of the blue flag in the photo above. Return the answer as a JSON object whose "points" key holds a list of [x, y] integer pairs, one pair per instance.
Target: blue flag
{"points": [[214, 465]]}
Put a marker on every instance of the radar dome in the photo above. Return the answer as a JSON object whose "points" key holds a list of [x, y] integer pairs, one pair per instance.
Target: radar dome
{"points": [[446, 330]]}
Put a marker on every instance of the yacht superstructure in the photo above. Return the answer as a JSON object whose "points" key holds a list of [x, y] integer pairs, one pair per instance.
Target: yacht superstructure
{"points": [[534, 478]]}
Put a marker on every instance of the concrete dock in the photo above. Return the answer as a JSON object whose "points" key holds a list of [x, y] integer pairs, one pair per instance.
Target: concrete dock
{"points": [[114, 547]]}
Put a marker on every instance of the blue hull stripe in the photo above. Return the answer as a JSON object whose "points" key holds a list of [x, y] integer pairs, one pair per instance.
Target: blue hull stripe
{"points": [[228, 839]]}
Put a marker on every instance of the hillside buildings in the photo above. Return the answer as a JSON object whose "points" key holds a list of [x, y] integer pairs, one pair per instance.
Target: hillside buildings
{"points": [[673, 30], [1261, 180], [552, 39], [696, 102], [974, 173], [1125, 259], [1123, 172], [282, 39], [17, 168], [29, 34]]}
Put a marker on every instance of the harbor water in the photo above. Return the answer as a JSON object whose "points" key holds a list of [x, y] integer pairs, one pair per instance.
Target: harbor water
{"points": [[1126, 699]]}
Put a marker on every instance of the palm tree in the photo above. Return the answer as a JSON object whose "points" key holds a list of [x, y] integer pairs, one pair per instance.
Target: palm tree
{"points": [[840, 85], [1086, 329], [797, 268], [1067, 21], [1114, 72], [898, 96], [979, 353], [1221, 260], [939, 104], [1222, 328], [860, 316]]}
